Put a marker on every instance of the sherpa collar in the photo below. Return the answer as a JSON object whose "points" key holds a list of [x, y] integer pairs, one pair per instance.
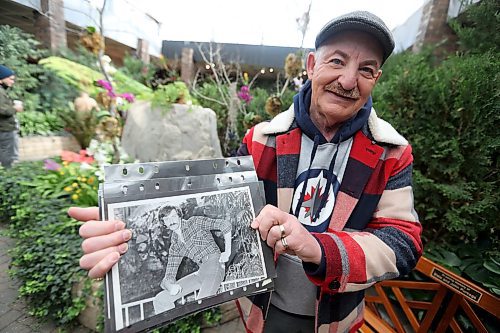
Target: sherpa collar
{"points": [[381, 130]]}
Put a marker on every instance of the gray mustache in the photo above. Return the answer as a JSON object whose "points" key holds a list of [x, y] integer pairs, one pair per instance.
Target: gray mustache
{"points": [[337, 88]]}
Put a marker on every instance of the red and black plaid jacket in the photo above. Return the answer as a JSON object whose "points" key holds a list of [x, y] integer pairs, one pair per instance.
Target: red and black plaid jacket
{"points": [[374, 232]]}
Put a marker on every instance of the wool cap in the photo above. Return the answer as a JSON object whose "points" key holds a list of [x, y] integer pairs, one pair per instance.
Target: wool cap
{"points": [[5, 72], [361, 21]]}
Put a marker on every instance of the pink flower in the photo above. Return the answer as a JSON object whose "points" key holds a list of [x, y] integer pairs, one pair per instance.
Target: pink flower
{"points": [[50, 164], [129, 97], [105, 84], [244, 94]]}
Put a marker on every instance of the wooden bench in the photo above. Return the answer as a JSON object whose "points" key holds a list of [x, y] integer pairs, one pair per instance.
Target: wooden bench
{"points": [[391, 306]]}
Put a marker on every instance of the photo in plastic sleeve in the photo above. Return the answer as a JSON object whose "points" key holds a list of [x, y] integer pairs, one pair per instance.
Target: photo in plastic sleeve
{"points": [[184, 249]]}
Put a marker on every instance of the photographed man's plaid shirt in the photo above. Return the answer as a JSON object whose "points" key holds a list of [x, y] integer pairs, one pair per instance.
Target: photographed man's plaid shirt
{"points": [[198, 242]]}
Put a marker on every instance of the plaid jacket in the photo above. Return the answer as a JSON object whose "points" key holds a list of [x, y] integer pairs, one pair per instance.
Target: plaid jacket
{"points": [[198, 242], [374, 232]]}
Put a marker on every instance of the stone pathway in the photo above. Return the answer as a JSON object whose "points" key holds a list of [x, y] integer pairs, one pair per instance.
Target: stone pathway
{"points": [[14, 317]]}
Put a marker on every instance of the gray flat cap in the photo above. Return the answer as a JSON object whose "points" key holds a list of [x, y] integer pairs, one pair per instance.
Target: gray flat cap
{"points": [[362, 21]]}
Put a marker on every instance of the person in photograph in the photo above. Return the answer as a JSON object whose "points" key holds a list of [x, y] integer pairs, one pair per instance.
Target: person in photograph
{"points": [[338, 184], [9, 126], [192, 238]]}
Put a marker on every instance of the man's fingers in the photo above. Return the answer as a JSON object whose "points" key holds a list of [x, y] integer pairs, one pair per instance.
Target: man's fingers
{"points": [[88, 261], [101, 242], [100, 228], [84, 214], [104, 265]]}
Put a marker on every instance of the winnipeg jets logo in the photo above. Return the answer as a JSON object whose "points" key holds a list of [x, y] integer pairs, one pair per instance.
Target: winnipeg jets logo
{"points": [[312, 201], [317, 205]]}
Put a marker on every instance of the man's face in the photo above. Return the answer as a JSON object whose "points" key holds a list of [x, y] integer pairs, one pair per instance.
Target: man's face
{"points": [[172, 220], [9, 81], [343, 73]]}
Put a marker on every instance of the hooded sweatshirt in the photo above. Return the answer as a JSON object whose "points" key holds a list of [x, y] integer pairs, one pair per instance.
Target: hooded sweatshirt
{"points": [[319, 174]]}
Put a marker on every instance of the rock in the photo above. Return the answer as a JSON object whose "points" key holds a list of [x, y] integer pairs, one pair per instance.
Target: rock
{"points": [[184, 132]]}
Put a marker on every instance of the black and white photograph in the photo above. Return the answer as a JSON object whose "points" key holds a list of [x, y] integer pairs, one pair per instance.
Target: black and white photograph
{"points": [[184, 249]]}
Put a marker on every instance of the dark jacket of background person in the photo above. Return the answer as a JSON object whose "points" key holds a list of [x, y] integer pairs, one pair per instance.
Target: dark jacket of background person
{"points": [[7, 112]]}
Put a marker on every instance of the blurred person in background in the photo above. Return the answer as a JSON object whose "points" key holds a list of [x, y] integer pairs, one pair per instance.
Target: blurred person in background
{"points": [[9, 126]]}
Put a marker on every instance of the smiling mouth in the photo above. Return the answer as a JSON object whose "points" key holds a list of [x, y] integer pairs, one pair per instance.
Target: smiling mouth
{"points": [[338, 90]]}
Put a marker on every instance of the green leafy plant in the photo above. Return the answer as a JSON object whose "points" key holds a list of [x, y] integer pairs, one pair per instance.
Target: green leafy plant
{"points": [[82, 78], [474, 27], [137, 69], [45, 257], [38, 123], [176, 92], [19, 51], [82, 125], [449, 111]]}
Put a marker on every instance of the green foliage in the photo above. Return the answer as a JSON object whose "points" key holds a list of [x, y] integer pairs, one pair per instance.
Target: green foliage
{"points": [[45, 258], [476, 28], [176, 92], [137, 69], [193, 323], [38, 123], [82, 78], [53, 92], [81, 56], [73, 181], [82, 125], [475, 261], [209, 89], [450, 113], [19, 52]]}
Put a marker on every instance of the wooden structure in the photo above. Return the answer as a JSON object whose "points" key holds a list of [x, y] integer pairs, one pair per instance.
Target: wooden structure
{"points": [[392, 307]]}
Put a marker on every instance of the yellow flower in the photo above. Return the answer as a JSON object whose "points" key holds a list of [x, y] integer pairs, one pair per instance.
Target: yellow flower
{"points": [[68, 188], [79, 179], [61, 173], [91, 180], [78, 191], [74, 184], [83, 179], [65, 163], [74, 196]]}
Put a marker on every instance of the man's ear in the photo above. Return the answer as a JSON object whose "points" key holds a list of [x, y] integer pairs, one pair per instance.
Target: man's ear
{"points": [[310, 63], [379, 74]]}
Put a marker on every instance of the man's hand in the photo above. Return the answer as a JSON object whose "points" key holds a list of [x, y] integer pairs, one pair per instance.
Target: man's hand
{"points": [[173, 288], [104, 241], [224, 257], [273, 224]]}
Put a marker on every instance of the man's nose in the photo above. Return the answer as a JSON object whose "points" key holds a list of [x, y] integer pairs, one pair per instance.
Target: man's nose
{"points": [[349, 78]]}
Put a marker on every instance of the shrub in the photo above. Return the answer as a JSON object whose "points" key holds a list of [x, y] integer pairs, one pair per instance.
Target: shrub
{"points": [[474, 27], [38, 123], [138, 70], [450, 114], [45, 257], [82, 78], [19, 51]]}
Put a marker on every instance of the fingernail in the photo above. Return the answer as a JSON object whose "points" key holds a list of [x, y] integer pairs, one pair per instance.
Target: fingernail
{"points": [[127, 234], [123, 248], [119, 225], [114, 257]]}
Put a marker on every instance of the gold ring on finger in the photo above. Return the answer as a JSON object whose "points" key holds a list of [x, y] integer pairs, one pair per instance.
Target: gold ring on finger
{"points": [[282, 229], [284, 243]]}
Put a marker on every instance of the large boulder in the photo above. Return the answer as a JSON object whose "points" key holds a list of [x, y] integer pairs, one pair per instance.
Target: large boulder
{"points": [[185, 132]]}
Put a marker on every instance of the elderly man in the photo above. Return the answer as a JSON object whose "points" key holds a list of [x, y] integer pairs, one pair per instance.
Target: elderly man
{"points": [[8, 122], [338, 184]]}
